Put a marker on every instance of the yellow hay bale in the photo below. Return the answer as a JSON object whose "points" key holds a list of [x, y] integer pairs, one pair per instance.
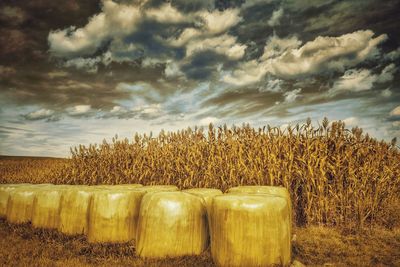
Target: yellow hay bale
{"points": [[250, 230], [20, 204], [46, 206], [159, 188], [74, 210], [5, 190], [113, 215], [265, 189], [206, 194], [171, 224]]}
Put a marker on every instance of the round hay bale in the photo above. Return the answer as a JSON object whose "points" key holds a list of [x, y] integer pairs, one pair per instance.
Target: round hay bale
{"points": [[20, 203], [171, 224], [74, 210], [113, 215], [46, 206], [5, 190], [250, 230]]}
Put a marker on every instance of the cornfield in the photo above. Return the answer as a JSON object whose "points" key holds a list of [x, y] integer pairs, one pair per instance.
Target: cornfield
{"points": [[335, 176]]}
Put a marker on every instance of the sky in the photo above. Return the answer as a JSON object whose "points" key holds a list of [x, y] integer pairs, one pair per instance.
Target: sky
{"points": [[80, 71]]}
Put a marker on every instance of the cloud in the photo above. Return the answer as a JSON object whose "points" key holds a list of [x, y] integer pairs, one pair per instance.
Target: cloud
{"points": [[115, 20], [386, 93], [351, 121], [79, 110], [217, 22], [224, 45], [327, 53], [395, 112], [166, 14], [355, 80], [208, 120], [275, 18], [40, 114], [150, 34], [393, 55], [145, 112], [273, 85], [287, 59], [291, 96], [57, 74], [387, 73]]}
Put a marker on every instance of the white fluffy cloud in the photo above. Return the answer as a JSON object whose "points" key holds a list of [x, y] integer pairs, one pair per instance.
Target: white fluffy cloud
{"points": [[286, 58], [79, 110], [115, 20], [200, 30], [332, 53], [208, 120], [40, 114], [355, 80], [224, 45], [351, 121], [291, 96]]}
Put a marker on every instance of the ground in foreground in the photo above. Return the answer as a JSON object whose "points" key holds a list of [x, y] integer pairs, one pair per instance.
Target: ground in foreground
{"points": [[313, 246]]}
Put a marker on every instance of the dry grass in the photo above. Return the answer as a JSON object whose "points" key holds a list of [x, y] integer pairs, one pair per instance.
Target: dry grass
{"points": [[30, 169], [314, 246]]}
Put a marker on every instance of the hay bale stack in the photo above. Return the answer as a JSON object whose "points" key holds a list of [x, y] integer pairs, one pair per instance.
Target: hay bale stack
{"points": [[171, 224], [5, 190], [250, 230], [46, 206], [20, 203], [113, 215], [74, 210], [117, 186]]}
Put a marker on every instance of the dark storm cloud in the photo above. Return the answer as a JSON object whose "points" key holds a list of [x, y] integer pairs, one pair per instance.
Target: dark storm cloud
{"points": [[155, 52]]}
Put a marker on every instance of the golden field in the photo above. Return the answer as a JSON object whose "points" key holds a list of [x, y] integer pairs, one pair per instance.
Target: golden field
{"points": [[344, 186]]}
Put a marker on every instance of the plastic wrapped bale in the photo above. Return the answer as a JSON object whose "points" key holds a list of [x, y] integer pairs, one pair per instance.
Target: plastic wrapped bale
{"points": [[265, 189], [250, 230], [159, 188], [74, 210], [5, 190], [113, 215], [171, 224], [206, 193], [20, 204], [46, 207]]}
